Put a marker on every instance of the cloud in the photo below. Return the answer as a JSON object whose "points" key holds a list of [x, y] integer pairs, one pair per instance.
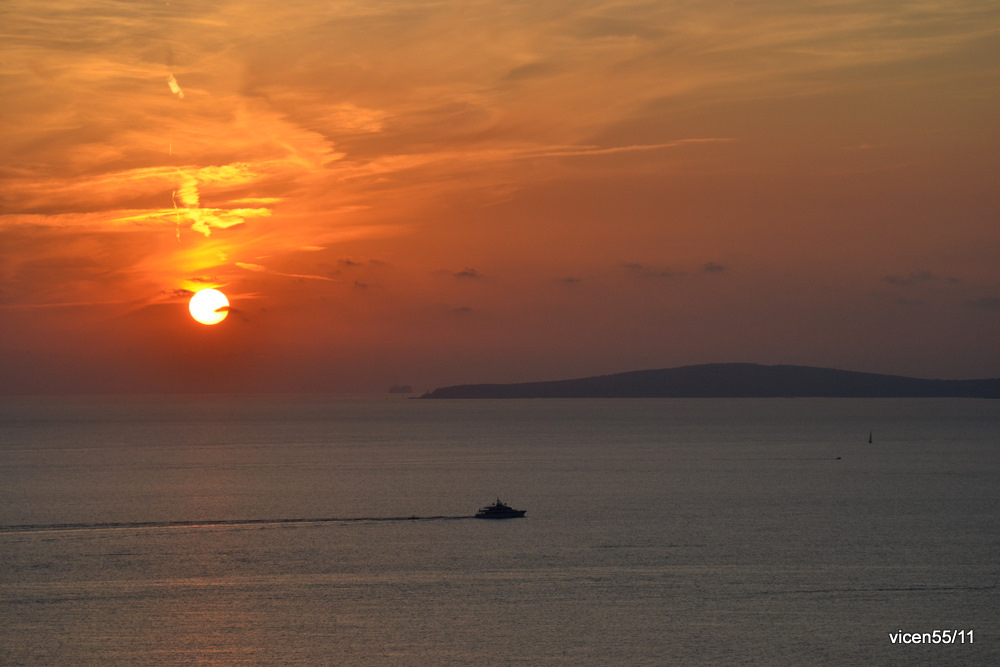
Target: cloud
{"points": [[260, 201], [712, 267], [175, 87], [260, 268], [187, 191], [583, 151], [352, 264], [918, 278], [643, 271], [252, 267], [351, 118], [467, 273], [530, 71], [984, 303]]}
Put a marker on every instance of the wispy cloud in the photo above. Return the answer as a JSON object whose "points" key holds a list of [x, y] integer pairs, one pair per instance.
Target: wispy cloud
{"points": [[468, 274], [918, 278], [175, 87], [991, 303], [260, 268]]}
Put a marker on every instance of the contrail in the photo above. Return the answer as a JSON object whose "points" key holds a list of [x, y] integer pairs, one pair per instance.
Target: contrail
{"points": [[177, 214], [175, 88]]}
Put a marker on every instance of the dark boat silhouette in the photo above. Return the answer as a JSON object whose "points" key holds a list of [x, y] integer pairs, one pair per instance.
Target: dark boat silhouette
{"points": [[499, 511]]}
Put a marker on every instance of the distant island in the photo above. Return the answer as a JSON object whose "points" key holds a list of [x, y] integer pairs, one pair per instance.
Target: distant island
{"points": [[732, 381]]}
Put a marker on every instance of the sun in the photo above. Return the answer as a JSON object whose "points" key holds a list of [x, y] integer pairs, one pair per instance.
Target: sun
{"points": [[209, 306]]}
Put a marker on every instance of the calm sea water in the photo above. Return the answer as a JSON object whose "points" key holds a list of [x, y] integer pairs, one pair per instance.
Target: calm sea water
{"points": [[144, 531]]}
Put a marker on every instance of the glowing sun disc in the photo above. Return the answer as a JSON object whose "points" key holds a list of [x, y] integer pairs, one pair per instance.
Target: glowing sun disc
{"points": [[209, 306]]}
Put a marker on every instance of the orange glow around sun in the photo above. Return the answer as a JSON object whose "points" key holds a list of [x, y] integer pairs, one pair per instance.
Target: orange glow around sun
{"points": [[209, 306]]}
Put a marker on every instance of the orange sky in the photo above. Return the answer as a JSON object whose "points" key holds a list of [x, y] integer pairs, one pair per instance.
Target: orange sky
{"points": [[434, 193]]}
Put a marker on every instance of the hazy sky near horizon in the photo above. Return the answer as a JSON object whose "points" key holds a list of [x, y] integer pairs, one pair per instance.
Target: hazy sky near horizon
{"points": [[434, 193]]}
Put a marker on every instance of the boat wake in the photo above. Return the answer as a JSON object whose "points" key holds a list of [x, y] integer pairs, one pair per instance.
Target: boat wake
{"points": [[121, 525]]}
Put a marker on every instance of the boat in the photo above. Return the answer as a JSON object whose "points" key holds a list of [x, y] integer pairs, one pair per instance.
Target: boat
{"points": [[499, 511]]}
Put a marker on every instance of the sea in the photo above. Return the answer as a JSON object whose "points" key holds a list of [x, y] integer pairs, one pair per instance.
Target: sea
{"points": [[326, 530]]}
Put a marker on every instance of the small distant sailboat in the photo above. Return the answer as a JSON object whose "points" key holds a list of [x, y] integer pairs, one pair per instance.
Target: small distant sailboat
{"points": [[869, 437]]}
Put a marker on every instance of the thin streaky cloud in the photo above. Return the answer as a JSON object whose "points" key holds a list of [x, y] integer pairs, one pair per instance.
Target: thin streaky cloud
{"points": [[259, 268], [482, 158]]}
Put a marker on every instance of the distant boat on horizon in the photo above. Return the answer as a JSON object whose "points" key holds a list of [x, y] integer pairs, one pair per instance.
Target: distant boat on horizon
{"points": [[869, 437]]}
